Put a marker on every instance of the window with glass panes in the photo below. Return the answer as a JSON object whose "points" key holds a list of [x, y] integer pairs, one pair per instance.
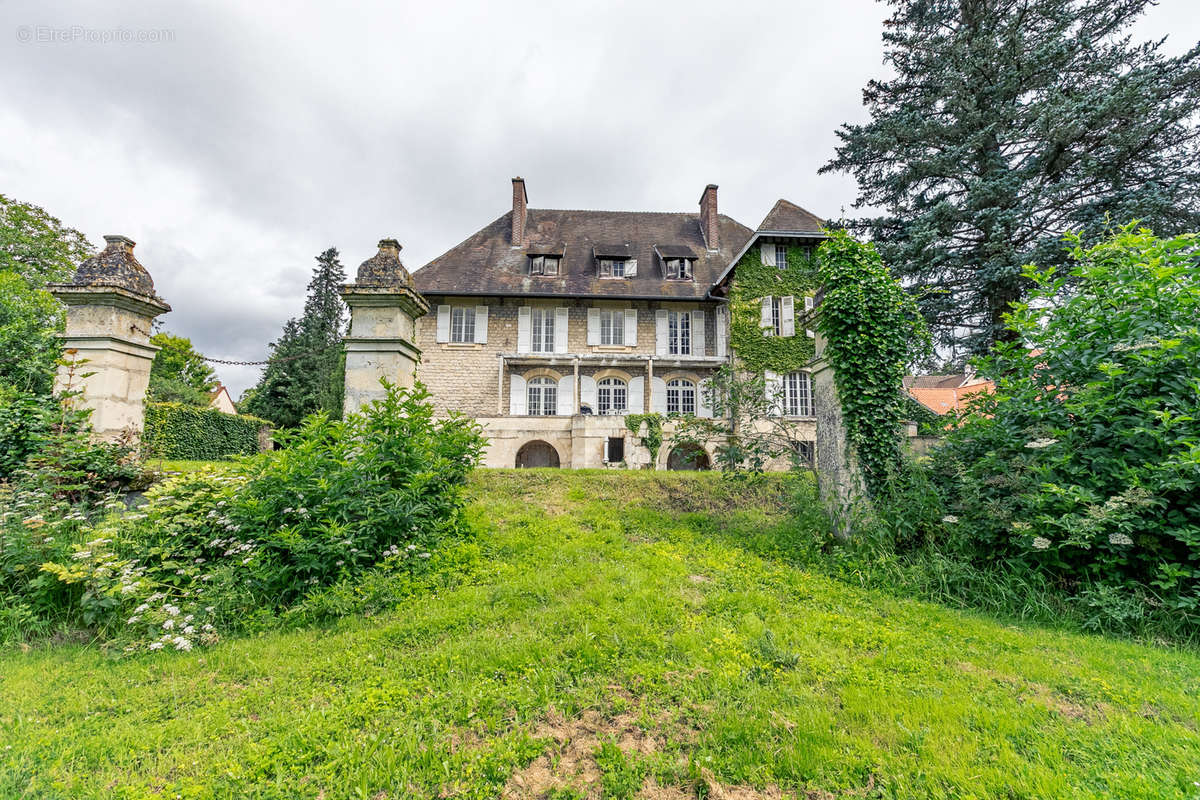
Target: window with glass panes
{"points": [[679, 333], [781, 256], [679, 269], [777, 315], [797, 395], [541, 329], [612, 327], [542, 397], [612, 268], [611, 396], [462, 324], [681, 396]]}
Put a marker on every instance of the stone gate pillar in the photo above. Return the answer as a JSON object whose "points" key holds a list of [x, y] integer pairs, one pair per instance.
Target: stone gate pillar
{"points": [[384, 308], [839, 480], [110, 306]]}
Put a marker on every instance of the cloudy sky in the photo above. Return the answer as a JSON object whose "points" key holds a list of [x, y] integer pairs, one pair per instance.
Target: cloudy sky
{"points": [[240, 139]]}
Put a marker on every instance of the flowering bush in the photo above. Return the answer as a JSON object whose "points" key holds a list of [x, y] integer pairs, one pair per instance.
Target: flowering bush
{"points": [[1085, 463], [222, 548], [65, 482]]}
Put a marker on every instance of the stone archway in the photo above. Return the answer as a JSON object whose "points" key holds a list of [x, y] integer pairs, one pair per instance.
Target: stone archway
{"points": [[688, 458], [537, 454]]}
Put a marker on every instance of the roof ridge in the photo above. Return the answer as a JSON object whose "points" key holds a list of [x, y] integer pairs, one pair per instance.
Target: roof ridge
{"points": [[611, 211]]}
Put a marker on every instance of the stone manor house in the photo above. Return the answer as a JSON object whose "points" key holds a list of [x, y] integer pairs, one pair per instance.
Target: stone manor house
{"points": [[549, 326]]}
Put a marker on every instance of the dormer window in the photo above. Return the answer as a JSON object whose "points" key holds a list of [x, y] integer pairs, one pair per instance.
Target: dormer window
{"points": [[677, 261], [612, 268], [679, 269], [544, 265], [615, 261]]}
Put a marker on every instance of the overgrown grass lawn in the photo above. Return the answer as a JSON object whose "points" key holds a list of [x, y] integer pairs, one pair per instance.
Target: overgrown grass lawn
{"points": [[626, 634]]}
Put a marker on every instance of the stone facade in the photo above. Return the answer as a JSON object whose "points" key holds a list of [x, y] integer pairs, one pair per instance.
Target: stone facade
{"points": [[475, 349]]}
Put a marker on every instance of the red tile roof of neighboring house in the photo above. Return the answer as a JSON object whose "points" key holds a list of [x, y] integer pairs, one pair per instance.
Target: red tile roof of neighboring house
{"points": [[942, 394]]}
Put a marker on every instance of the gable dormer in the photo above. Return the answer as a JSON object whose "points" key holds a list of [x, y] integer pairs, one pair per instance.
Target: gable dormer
{"points": [[615, 261], [677, 261]]}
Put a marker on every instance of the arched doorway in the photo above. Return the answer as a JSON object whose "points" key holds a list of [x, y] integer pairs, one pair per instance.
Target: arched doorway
{"points": [[537, 454], [688, 457]]}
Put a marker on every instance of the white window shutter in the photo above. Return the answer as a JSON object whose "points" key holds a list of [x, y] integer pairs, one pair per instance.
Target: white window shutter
{"points": [[593, 327], [764, 319], [774, 390], [768, 254], [703, 400], [566, 396], [698, 332], [658, 396], [524, 335], [808, 307], [631, 268], [481, 319], [561, 320], [722, 333], [660, 332], [787, 310], [516, 396], [637, 395], [631, 318], [587, 392], [443, 324]]}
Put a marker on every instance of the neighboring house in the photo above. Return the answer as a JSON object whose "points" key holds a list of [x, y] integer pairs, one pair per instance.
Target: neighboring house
{"points": [[943, 394], [220, 400], [550, 326]]}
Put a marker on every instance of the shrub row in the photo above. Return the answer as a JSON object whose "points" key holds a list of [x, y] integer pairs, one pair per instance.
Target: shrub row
{"points": [[174, 430]]}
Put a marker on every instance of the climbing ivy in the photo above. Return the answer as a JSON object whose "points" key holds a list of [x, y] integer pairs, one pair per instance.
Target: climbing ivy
{"points": [[653, 438], [872, 327], [754, 280]]}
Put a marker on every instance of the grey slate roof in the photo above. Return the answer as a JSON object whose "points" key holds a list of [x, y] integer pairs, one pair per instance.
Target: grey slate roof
{"points": [[787, 217], [115, 265], [935, 381], [487, 264]]}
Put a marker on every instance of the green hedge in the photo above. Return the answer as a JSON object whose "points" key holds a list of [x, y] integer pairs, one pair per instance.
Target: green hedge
{"points": [[174, 430]]}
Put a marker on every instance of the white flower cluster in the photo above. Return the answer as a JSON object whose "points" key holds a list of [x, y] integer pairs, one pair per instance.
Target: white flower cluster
{"points": [[1119, 539], [1040, 543], [1038, 444]]}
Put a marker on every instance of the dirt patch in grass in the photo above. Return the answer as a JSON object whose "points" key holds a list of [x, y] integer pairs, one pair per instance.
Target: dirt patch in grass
{"points": [[570, 766]]}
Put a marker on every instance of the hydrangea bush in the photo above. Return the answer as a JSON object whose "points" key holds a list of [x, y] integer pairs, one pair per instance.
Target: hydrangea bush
{"points": [[220, 548], [1085, 462]]}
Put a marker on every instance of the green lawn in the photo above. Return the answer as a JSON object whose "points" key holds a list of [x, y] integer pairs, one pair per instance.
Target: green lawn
{"points": [[618, 641], [170, 465]]}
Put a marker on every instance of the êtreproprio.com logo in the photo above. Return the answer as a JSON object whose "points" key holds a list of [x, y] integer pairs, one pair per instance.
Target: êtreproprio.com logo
{"points": [[73, 34]]}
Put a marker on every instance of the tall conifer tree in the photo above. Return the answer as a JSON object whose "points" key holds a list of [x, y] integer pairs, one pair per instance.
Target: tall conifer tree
{"points": [[1007, 123], [306, 369]]}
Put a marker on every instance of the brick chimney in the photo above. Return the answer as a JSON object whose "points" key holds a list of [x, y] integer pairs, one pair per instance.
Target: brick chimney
{"points": [[520, 201], [708, 217]]}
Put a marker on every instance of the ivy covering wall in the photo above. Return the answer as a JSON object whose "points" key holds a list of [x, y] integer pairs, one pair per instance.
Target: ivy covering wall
{"points": [[754, 280], [177, 431]]}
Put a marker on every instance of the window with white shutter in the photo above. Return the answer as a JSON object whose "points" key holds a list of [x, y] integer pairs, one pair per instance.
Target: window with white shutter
{"points": [[797, 395], [541, 327], [679, 333], [787, 315], [542, 397]]}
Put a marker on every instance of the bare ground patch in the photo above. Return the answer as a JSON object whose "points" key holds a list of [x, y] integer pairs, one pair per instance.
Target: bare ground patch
{"points": [[570, 763]]}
